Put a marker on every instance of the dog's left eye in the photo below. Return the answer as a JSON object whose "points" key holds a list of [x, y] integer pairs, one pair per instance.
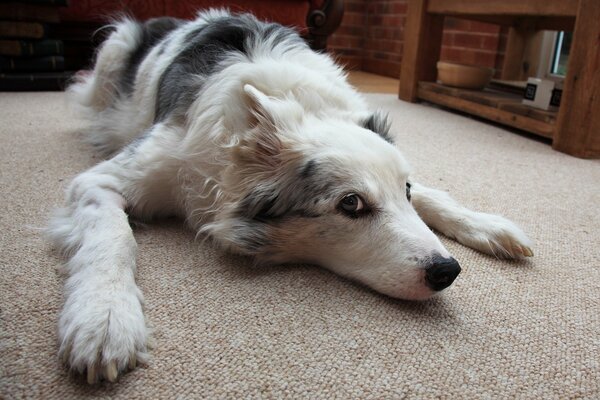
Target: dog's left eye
{"points": [[352, 204], [408, 185]]}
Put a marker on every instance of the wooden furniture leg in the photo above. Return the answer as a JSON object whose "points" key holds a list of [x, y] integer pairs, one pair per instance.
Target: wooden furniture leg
{"points": [[323, 22], [422, 45], [578, 125]]}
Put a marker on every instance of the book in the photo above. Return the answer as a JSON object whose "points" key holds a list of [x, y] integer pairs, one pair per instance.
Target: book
{"points": [[49, 2], [29, 48], [29, 12], [49, 63], [78, 62], [80, 32], [12, 29], [40, 81]]}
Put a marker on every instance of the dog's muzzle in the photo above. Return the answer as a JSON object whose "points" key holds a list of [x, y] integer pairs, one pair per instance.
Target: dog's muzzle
{"points": [[441, 273]]}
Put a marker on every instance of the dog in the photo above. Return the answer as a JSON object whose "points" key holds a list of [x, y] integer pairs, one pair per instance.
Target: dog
{"points": [[258, 143]]}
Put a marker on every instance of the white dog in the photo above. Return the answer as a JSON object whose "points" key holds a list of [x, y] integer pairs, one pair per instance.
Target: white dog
{"points": [[261, 145]]}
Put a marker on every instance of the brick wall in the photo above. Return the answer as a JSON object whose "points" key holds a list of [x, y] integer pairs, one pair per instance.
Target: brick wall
{"points": [[348, 42], [371, 38]]}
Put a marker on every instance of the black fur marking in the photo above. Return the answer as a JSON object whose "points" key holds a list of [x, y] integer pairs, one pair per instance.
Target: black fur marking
{"points": [[292, 202], [153, 31], [206, 48], [250, 236], [309, 169], [379, 123], [267, 210]]}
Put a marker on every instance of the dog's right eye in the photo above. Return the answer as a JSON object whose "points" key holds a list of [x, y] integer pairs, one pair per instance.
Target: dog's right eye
{"points": [[352, 204]]}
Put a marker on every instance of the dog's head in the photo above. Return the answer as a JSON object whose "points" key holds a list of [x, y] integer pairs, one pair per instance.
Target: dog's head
{"points": [[332, 191]]}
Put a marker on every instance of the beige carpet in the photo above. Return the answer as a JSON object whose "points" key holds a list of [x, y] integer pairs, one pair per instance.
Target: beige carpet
{"points": [[222, 329]]}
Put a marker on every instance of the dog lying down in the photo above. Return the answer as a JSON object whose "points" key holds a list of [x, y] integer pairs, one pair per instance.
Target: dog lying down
{"points": [[261, 145]]}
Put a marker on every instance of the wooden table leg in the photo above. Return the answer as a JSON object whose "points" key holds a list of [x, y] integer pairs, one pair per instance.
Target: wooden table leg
{"points": [[422, 45], [578, 125]]}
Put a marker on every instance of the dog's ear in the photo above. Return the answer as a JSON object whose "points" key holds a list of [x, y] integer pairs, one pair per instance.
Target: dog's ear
{"points": [[262, 108], [378, 122], [261, 145]]}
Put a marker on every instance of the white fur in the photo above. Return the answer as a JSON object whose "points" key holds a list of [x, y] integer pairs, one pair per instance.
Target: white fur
{"points": [[251, 128]]}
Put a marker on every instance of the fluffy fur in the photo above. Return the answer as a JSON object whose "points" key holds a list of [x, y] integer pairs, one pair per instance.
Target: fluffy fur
{"points": [[260, 144]]}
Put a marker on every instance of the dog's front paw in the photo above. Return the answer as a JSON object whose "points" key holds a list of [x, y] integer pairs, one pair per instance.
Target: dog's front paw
{"points": [[495, 235], [103, 333]]}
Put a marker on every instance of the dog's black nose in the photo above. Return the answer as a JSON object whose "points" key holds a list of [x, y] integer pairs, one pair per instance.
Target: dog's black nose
{"points": [[442, 272]]}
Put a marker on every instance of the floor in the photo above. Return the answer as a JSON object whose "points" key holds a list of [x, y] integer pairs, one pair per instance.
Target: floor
{"points": [[224, 329], [371, 83]]}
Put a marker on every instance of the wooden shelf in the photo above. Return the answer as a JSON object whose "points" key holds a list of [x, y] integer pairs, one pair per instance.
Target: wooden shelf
{"points": [[575, 129], [495, 105]]}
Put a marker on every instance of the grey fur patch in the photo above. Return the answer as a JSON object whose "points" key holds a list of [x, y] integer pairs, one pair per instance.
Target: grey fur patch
{"points": [[153, 31], [296, 200], [249, 236], [379, 123], [309, 169], [207, 47]]}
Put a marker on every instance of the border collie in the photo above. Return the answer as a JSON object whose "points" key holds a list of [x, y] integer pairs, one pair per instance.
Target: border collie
{"points": [[260, 144]]}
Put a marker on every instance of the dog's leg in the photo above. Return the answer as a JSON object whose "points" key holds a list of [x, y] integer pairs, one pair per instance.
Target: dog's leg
{"points": [[487, 233], [102, 327]]}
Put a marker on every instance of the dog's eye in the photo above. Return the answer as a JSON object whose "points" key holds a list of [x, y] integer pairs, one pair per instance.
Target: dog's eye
{"points": [[408, 185], [352, 204]]}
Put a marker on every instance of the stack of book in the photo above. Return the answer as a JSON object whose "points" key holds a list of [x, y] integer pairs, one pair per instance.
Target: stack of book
{"points": [[30, 57]]}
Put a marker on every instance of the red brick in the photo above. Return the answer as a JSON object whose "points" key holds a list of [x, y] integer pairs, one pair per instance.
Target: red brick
{"points": [[450, 54], [467, 40], [398, 7], [350, 31], [377, 33], [354, 19], [393, 33], [347, 42], [353, 42], [355, 6], [383, 45], [467, 57], [349, 62], [382, 8], [392, 20], [489, 43], [348, 52], [448, 39], [375, 20], [485, 59]]}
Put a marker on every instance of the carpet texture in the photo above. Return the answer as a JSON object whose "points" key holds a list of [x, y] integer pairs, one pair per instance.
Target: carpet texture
{"points": [[225, 330]]}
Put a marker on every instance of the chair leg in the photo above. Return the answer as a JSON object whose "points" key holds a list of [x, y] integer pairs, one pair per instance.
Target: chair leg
{"points": [[322, 22]]}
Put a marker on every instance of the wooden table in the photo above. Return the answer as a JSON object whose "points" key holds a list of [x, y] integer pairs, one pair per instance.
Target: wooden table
{"points": [[576, 128]]}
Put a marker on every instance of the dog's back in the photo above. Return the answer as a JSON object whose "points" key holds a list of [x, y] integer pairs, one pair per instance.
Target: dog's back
{"points": [[155, 70]]}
